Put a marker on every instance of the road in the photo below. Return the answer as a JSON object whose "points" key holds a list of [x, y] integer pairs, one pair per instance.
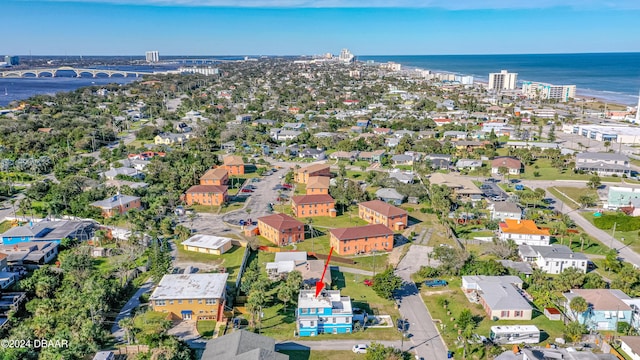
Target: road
{"points": [[425, 340], [133, 303], [330, 344]]}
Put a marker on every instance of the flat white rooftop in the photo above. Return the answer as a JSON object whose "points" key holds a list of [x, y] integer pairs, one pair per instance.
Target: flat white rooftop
{"points": [[207, 241], [190, 286]]}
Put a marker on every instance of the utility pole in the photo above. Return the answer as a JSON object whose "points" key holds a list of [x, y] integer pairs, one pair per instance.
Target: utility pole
{"points": [[613, 233]]}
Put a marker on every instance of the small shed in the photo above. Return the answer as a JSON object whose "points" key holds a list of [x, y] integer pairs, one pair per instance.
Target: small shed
{"points": [[552, 314]]}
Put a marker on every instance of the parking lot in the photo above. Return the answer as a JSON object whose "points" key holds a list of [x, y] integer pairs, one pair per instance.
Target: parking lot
{"points": [[492, 191]]}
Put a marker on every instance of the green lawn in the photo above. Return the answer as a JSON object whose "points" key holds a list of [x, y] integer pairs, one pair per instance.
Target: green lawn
{"points": [[231, 259], [321, 355], [206, 328], [548, 172], [318, 244], [629, 238], [233, 206], [206, 209], [5, 225], [348, 219], [428, 221], [458, 302], [375, 263], [280, 324], [566, 200]]}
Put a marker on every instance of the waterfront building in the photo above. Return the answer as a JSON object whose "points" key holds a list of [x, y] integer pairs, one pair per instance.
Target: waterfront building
{"points": [[12, 60], [208, 71], [346, 56], [545, 91], [328, 313], [503, 80], [152, 56]]}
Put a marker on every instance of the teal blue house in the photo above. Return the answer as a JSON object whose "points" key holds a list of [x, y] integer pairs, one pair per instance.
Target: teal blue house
{"points": [[329, 313], [606, 309]]}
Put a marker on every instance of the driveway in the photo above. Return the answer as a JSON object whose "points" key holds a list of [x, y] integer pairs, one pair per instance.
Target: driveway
{"points": [[426, 340], [125, 312]]}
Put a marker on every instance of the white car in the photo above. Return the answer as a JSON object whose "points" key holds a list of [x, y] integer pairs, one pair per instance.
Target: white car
{"points": [[360, 348]]}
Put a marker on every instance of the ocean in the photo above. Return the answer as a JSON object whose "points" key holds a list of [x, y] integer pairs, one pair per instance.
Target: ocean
{"points": [[613, 77]]}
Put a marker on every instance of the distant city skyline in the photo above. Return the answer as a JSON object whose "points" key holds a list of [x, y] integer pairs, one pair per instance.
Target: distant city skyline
{"points": [[310, 27]]}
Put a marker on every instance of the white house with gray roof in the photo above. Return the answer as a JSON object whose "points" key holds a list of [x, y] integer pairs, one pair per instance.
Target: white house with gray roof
{"points": [[390, 195], [501, 210], [501, 297], [553, 259], [603, 164], [468, 164]]}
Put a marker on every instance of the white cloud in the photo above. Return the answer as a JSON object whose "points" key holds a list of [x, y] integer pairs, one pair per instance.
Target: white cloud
{"points": [[443, 4]]}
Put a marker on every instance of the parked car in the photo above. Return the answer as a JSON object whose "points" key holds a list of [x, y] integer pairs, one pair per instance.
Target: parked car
{"points": [[245, 190], [360, 348], [288, 186], [435, 283], [255, 180], [368, 282]]}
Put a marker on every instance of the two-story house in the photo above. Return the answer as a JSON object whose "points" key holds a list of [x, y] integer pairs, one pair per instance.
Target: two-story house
{"points": [[553, 259], [603, 164], [117, 205], [218, 176], [361, 239], [281, 229], [379, 212], [302, 175], [313, 205], [605, 309], [191, 296], [213, 195], [501, 210], [328, 313], [233, 164], [524, 232]]}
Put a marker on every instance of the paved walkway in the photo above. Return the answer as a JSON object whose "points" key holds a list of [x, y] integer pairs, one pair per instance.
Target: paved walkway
{"points": [[134, 302]]}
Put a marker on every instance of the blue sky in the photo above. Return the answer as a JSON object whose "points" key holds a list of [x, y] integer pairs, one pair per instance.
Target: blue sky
{"points": [[295, 27]]}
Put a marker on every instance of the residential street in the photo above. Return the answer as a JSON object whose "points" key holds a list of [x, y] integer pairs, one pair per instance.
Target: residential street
{"points": [[425, 339], [330, 344]]}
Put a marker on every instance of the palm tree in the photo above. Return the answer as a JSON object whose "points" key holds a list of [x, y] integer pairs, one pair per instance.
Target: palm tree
{"points": [[579, 305], [127, 325]]}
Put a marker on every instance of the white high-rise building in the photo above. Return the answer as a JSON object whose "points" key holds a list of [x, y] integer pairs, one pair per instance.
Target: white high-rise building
{"points": [[346, 56], [503, 80], [544, 91], [152, 56], [638, 110]]}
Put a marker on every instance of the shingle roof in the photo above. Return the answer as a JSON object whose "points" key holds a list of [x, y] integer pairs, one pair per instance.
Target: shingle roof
{"points": [[360, 232], [313, 168], [318, 182], [389, 193], [383, 208], [596, 156], [214, 174], [233, 160], [312, 199], [242, 345], [513, 226], [280, 221], [506, 161], [214, 189], [600, 299], [113, 201]]}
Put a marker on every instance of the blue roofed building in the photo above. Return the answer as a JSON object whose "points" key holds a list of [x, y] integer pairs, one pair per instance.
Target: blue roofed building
{"points": [[329, 313], [48, 230]]}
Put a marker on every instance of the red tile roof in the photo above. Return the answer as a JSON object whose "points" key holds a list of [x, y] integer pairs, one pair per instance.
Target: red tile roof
{"points": [[215, 189], [281, 222], [509, 162], [312, 199], [360, 232], [214, 174], [233, 160], [383, 208]]}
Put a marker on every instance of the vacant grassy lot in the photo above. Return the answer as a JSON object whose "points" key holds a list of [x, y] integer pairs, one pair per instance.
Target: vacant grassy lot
{"points": [[429, 222], [546, 171], [629, 238], [575, 193], [5, 225]]}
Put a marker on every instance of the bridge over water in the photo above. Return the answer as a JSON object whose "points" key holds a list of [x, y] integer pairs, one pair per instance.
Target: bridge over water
{"points": [[78, 71]]}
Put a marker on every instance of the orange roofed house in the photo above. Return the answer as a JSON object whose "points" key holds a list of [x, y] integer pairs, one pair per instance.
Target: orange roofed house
{"points": [[302, 175], [233, 164], [524, 232], [513, 165], [281, 229], [206, 195], [218, 176], [361, 239], [379, 212], [313, 205], [317, 185]]}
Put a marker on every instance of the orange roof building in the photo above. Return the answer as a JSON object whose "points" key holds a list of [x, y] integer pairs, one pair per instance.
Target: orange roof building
{"points": [[302, 175], [313, 205], [281, 229], [524, 232], [361, 239], [218, 176], [233, 164], [317, 185], [379, 212]]}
